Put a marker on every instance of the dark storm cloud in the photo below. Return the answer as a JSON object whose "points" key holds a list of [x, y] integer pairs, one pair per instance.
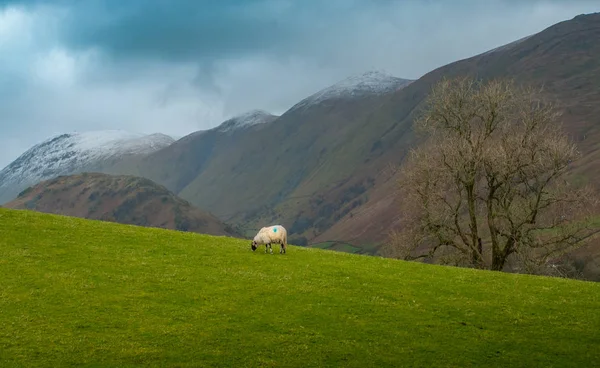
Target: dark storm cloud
{"points": [[183, 30]]}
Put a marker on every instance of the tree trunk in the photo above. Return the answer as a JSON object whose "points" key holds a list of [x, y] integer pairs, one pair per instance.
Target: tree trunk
{"points": [[476, 252], [498, 261], [479, 263], [499, 256]]}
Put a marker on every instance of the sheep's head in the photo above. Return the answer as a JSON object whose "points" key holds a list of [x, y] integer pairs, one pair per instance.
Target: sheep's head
{"points": [[253, 245]]}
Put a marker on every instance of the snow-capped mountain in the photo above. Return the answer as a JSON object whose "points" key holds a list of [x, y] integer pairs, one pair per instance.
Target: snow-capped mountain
{"points": [[369, 83], [246, 120], [71, 153]]}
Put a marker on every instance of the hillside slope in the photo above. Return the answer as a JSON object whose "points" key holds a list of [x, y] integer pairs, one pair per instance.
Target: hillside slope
{"points": [[78, 292], [73, 153], [564, 58], [122, 199], [180, 163]]}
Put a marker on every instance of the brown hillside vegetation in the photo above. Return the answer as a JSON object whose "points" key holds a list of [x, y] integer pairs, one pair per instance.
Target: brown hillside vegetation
{"points": [[123, 199]]}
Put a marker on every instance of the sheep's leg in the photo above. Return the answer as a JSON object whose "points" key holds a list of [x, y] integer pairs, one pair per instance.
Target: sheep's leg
{"points": [[267, 248], [271, 248]]}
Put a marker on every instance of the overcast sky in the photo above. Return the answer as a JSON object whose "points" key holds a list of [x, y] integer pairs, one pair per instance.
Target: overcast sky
{"points": [[175, 66]]}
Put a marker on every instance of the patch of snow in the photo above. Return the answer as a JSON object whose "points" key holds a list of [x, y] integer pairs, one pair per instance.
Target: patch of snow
{"points": [[506, 47], [245, 120], [369, 83], [66, 154]]}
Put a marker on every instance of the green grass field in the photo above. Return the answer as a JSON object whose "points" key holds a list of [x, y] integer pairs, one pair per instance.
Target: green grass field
{"points": [[86, 293]]}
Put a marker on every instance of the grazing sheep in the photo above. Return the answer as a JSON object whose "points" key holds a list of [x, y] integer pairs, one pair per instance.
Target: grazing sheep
{"points": [[271, 234]]}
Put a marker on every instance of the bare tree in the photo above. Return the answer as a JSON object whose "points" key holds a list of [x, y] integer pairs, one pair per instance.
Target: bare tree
{"points": [[488, 183]]}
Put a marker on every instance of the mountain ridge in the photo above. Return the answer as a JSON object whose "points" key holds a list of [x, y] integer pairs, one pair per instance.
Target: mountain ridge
{"points": [[371, 82], [124, 199], [69, 153], [563, 58], [245, 120]]}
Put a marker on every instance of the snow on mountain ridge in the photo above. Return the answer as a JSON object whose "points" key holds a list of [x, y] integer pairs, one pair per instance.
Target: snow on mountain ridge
{"points": [[507, 46], [371, 82], [66, 154], [247, 119]]}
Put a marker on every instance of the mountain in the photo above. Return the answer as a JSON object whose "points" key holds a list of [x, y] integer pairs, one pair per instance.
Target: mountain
{"points": [[312, 150], [564, 59], [75, 152], [118, 198], [180, 163]]}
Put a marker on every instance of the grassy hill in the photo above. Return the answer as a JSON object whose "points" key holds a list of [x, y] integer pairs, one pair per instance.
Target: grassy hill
{"points": [[90, 293]]}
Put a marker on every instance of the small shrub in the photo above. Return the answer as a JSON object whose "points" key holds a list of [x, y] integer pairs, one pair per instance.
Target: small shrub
{"points": [[301, 241]]}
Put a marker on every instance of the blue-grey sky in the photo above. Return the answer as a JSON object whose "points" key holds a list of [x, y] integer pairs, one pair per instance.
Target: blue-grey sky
{"points": [[177, 66]]}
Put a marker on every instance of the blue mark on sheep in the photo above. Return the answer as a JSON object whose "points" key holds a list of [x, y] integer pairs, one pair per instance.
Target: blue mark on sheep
{"points": [[274, 230]]}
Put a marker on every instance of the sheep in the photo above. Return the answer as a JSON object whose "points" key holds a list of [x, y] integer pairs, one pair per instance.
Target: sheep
{"points": [[268, 235]]}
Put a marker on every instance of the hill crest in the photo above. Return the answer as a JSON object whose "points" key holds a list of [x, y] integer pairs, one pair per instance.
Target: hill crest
{"points": [[118, 198], [372, 82], [245, 120]]}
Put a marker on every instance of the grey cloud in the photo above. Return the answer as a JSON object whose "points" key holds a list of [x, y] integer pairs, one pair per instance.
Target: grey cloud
{"points": [[180, 66]]}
